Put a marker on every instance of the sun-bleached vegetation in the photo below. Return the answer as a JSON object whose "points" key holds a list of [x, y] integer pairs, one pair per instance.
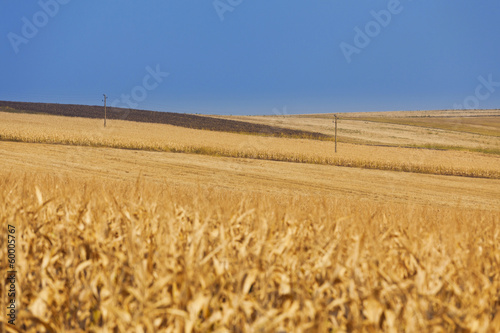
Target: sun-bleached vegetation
{"points": [[143, 257]]}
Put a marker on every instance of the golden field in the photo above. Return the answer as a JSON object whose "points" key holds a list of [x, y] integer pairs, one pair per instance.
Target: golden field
{"points": [[473, 130], [148, 257], [159, 137], [155, 228]]}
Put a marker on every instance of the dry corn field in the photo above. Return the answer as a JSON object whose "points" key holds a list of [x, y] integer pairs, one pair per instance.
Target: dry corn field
{"points": [[119, 256], [147, 240]]}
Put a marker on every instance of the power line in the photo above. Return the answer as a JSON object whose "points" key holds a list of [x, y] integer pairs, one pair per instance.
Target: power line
{"points": [[335, 132], [105, 97]]}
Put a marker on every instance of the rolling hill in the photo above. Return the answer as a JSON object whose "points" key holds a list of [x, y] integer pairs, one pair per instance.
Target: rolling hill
{"points": [[169, 118]]}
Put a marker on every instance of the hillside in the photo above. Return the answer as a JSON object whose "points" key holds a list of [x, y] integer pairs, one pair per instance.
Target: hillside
{"points": [[33, 128], [170, 118], [472, 130]]}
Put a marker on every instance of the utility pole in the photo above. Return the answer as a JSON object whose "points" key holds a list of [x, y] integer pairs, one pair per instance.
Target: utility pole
{"points": [[335, 132], [105, 97]]}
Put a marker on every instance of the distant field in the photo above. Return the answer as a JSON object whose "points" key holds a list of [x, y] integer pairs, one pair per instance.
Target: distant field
{"points": [[477, 125], [176, 119], [159, 137], [414, 114], [476, 131]]}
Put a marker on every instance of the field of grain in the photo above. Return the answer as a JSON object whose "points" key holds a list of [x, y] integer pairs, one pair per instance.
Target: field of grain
{"points": [[249, 175], [156, 228], [160, 137], [147, 257], [469, 130]]}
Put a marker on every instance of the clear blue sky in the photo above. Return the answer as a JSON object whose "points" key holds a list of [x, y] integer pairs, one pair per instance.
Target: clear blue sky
{"points": [[253, 56]]}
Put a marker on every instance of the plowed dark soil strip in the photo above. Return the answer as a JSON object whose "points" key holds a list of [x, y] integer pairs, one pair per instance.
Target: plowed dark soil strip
{"points": [[170, 118]]}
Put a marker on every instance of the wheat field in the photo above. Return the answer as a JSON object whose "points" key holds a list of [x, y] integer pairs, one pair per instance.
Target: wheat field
{"points": [[155, 228]]}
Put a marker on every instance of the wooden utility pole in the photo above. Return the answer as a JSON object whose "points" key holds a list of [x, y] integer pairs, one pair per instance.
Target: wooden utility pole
{"points": [[105, 97], [335, 132]]}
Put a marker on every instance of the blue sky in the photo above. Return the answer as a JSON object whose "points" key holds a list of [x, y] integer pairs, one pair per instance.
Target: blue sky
{"points": [[253, 57]]}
